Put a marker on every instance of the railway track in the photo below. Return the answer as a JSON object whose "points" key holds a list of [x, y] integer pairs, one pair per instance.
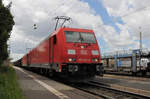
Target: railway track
{"points": [[128, 74], [106, 92], [127, 77]]}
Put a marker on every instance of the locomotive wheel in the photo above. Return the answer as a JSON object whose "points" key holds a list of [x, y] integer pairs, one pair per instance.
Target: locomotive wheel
{"points": [[46, 71], [143, 73], [134, 73], [51, 73], [41, 70]]}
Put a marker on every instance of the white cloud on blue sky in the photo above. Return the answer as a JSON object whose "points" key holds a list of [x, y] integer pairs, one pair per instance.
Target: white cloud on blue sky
{"points": [[112, 21], [122, 19], [133, 14]]}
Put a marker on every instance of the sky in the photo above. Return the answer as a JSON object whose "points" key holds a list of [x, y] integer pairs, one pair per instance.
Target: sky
{"points": [[116, 23]]}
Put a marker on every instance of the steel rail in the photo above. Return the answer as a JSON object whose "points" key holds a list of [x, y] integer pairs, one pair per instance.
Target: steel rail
{"points": [[125, 93], [93, 93]]}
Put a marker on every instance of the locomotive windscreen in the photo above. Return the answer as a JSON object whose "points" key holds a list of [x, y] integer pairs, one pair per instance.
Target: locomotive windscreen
{"points": [[79, 37]]}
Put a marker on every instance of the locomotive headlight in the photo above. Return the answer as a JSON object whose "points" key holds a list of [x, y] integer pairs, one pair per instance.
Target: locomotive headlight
{"points": [[95, 59], [70, 59], [95, 52], [71, 51]]}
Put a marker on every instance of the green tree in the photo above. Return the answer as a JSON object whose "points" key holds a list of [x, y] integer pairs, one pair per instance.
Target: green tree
{"points": [[6, 25]]}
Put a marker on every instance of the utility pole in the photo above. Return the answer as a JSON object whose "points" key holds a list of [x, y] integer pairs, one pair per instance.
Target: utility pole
{"points": [[140, 39], [140, 52]]}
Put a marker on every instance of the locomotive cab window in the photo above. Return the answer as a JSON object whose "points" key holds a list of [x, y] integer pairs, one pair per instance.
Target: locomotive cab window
{"points": [[54, 40], [79, 37]]}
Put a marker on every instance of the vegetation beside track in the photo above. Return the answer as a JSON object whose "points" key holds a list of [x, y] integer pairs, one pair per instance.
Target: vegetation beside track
{"points": [[6, 25], [9, 87]]}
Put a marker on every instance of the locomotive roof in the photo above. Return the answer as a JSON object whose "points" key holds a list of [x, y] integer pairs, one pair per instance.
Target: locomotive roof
{"points": [[70, 29]]}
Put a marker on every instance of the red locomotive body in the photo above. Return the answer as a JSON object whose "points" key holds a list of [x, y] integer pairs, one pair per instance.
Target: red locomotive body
{"points": [[68, 51]]}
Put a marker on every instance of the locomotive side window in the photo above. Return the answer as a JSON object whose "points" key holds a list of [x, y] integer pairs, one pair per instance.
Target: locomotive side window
{"points": [[54, 40], [79, 37]]}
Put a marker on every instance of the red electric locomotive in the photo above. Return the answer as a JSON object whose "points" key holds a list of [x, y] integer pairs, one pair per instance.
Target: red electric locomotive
{"points": [[69, 52]]}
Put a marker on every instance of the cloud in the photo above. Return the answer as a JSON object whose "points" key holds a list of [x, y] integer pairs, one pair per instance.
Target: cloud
{"points": [[134, 14], [115, 39], [117, 7]]}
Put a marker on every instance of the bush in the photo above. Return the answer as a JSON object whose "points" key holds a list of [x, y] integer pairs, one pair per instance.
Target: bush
{"points": [[9, 87], [6, 25]]}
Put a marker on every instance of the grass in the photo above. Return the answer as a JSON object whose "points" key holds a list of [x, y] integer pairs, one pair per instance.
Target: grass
{"points": [[9, 87]]}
